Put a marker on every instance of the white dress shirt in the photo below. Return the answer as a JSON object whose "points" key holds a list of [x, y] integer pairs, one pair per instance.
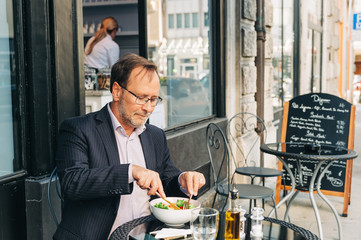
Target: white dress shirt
{"points": [[104, 54], [130, 150]]}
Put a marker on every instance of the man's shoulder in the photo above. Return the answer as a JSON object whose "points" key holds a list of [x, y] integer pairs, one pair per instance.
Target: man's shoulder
{"points": [[84, 120], [153, 128], [155, 131]]}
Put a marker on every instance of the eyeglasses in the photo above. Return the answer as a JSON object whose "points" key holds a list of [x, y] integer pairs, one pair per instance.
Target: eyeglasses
{"points": [[143, 100]]}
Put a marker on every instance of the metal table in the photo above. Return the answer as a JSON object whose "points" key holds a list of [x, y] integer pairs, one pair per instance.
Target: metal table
{"points": [[324, 154], [272, 229]]}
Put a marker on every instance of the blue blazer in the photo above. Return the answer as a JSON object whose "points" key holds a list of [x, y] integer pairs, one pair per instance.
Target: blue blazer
{"points": [[92, 178]]}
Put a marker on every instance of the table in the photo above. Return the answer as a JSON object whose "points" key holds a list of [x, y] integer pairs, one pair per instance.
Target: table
{"points": [[324, 154], [272, 229]]}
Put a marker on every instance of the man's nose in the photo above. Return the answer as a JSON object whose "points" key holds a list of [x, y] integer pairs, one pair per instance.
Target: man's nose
{"points": [[148, 106]]}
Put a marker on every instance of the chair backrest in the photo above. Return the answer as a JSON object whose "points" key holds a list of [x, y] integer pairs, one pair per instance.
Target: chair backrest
{"points": [[218, 152], [54, 176], [241, 126]]}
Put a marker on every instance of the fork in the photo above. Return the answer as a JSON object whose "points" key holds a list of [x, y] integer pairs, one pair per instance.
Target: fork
{"points": [[186, 205], [174, 206]]}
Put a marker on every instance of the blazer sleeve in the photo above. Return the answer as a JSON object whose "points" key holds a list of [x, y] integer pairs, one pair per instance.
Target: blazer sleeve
{"points": [[83, 168]]}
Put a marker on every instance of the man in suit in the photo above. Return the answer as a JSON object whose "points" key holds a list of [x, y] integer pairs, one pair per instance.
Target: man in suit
{"points": [[110, 162]]}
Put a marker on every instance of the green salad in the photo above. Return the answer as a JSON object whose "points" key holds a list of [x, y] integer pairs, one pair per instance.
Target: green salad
{"points": [[180, 204]]}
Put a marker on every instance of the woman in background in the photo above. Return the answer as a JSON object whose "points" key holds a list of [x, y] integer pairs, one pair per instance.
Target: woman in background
{"points": [[101, 51]]}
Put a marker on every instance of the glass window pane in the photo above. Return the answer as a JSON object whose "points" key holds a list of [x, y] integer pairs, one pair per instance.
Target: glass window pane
{"points": [[179, 20], [170, 21], [283, 48], [277, 92], [315, 9], [287, 44], [308, 66], [206, 19], [6, 79], [183, 60], [194, 20], [186, 20], [316, 61]]}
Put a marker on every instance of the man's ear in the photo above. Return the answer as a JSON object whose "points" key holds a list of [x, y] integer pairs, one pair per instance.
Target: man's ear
{"points": [[116, 92]]}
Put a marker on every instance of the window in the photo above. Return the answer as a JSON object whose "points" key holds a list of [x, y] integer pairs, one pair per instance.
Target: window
{"points": [[170, 21], [194, 20], [283, 50], [170, 66], [314, 65], [314, 48], [179, 20], [206, 19], [184, 64], [8, 92], [186, 20]]}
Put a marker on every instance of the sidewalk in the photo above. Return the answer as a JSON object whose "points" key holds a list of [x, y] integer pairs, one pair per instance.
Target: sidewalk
{"points": [[302, 214]]}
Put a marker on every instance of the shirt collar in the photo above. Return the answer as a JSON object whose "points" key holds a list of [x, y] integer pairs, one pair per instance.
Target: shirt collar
{"points": [[116, 124]]}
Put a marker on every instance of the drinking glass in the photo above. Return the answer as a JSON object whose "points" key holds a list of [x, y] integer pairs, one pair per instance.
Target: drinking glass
{"points": [[204, 223]]}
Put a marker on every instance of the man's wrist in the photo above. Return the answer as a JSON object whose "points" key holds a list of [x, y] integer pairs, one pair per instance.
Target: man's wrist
{"points": [[185, 191]]}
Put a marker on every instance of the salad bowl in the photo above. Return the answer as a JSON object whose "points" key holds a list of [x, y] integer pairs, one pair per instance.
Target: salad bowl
{"points": [[170, 216]]}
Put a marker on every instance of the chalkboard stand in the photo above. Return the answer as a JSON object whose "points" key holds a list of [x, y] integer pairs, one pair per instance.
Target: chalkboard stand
{"points": [[346, 192]]}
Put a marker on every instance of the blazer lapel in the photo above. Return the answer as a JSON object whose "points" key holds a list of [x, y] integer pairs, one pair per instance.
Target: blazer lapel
{"points": [[148, 150], [105, 129]]}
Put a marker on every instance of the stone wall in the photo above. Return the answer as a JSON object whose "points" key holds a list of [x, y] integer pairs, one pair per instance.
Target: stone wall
{"points": [[241, 71]]}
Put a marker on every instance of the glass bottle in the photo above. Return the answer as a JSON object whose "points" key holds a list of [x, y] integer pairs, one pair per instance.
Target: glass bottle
{"points": [[233, 217]]}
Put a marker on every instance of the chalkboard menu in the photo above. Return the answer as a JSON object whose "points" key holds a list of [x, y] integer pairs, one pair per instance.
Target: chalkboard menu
{"points": [[324, 119], [319, 118]]}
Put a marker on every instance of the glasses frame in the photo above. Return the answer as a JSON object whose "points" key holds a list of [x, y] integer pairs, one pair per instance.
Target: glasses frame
{"points": [[137, 98]]}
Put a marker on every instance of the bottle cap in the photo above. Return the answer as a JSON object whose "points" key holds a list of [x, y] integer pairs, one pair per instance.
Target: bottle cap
{"points": [[234, 193]]}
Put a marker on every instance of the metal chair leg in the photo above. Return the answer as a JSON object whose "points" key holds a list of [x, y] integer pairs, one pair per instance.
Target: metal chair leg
{"points": [[214, 199]]}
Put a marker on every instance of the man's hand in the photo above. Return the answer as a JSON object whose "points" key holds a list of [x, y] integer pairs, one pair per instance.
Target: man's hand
{"points": [[192, 181], [148, 179]]}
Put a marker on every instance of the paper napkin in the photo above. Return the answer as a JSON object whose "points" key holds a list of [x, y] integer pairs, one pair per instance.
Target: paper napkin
{"points": [[171, 232]]}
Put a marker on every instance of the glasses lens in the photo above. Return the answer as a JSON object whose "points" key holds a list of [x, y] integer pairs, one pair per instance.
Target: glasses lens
{"points": [[143, 100]]}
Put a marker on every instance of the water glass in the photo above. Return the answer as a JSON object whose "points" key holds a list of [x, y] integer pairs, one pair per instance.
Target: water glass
{"points": [[204, 223]]}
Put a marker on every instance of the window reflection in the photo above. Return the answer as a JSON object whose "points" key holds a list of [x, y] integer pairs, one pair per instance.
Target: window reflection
{"points": [[314, 65], [181, 53], [283, 48], [314, 51], [6, 65], [316, 61]]}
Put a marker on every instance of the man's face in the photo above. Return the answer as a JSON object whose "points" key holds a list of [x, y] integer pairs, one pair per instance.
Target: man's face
{"points": [[143, 84]]}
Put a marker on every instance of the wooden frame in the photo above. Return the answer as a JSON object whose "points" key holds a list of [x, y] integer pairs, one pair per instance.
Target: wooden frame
{"points": [[346, 194]]}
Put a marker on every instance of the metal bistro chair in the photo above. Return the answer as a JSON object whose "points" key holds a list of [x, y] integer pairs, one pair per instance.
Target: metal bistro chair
{"points": [[218, 151], [238, 126], [54, 176]]}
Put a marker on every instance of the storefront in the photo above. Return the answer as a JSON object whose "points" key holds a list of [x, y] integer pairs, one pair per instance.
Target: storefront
{"points": [[215, 58], [42, 83], [296, 29]]}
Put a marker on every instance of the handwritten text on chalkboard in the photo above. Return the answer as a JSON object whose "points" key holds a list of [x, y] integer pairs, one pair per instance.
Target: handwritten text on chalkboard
{"points": [[322, 119]]}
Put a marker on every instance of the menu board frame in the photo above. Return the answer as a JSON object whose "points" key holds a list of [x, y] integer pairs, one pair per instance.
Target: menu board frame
{"points": [[326, 119]]}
